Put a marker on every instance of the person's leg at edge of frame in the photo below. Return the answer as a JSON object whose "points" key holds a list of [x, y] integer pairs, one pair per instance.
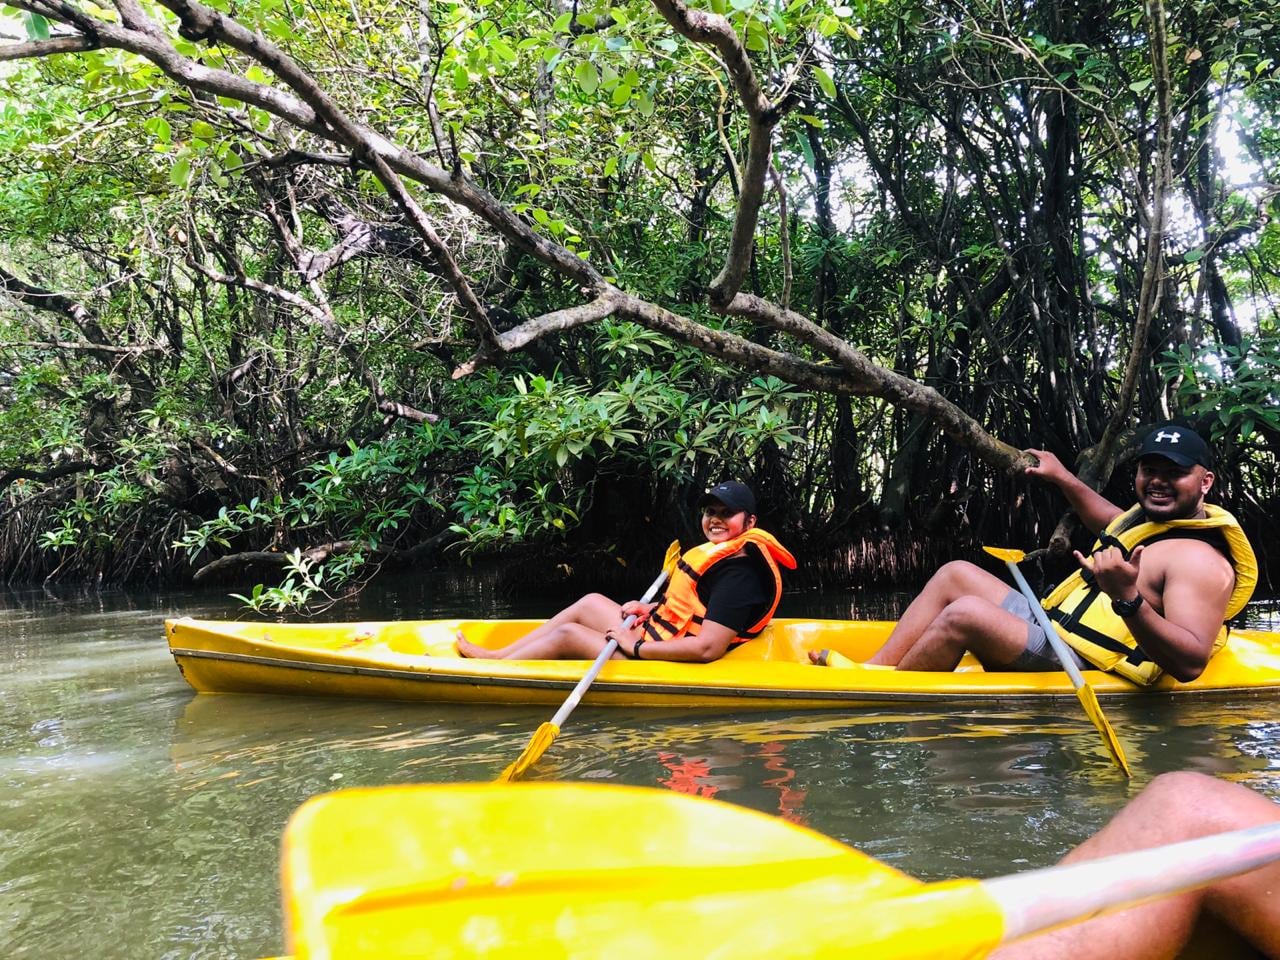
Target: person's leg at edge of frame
{"points": [[1173, 807]]}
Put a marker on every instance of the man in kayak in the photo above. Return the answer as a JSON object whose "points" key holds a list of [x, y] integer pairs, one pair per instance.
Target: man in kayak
{"points": [[1151, 598], [1173, 807], [721, 594]]}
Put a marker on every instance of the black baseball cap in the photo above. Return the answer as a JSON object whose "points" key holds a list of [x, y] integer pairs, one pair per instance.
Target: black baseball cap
{"points": [[737, 496], [1175, 442]]}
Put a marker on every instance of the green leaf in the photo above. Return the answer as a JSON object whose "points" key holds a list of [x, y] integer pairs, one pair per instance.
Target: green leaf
{"points": [[586, 76], [180, 172], [1140, 85], [37, 27], [159, 128], [807, 149], [824, 81], [611, 166], [1193, 256], [502, 51]]}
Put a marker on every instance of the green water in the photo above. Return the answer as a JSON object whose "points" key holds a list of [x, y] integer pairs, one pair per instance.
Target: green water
{"points": [[139, 820]]}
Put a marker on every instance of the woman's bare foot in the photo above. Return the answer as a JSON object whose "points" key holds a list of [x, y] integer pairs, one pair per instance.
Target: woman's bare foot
{"points": [[474, 651]]}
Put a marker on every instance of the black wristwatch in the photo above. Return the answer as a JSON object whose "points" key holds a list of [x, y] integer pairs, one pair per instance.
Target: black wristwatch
{"points": [[635, 651], [1127, 608]]}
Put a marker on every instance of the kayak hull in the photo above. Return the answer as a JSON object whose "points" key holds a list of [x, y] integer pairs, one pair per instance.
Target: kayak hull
{"points": [[417, 661], [544, 870]]}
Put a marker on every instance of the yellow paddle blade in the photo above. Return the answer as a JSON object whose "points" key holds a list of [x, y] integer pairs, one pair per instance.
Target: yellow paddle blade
{"points": [[1089, 700], [1006, 554], [555, 870], [542, 738], [673, 554]]}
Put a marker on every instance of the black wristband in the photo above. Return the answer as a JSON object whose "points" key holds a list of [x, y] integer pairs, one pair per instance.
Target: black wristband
{"points": [[635, 651]]}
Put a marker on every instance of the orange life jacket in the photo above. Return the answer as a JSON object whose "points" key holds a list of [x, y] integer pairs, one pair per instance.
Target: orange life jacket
{"points": [[680, 612]]}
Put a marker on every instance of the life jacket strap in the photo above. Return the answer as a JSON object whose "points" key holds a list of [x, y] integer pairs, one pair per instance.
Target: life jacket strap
{"points": [[1071, 622]]}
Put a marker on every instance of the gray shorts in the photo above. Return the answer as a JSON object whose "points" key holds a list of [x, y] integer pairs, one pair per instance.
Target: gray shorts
{"points": [[1039, 654]]}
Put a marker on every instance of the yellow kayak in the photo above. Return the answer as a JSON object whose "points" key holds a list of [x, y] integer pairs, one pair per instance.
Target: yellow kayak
{"points": [[417, 660], [576, 870]]}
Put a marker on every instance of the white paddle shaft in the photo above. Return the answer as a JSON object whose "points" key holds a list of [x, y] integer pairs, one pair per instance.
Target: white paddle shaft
{"points": [[1059, 646], [589, 677]]}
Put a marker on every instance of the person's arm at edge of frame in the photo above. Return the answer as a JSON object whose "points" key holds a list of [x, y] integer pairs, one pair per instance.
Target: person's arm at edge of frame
{"points": [[1094, 510]]}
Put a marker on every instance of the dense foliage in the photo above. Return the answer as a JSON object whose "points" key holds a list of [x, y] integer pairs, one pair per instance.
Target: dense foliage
{"points": [[567, 283]]}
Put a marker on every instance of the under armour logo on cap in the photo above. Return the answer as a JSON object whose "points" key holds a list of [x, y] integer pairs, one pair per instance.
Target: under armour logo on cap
{"points": [[1177, 443]]}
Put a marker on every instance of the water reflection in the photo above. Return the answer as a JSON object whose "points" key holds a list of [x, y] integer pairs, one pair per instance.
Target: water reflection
{"points": [[145, 820]]}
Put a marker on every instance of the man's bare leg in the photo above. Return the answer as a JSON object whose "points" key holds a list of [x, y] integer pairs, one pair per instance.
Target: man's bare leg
{"points": [[952, 581], [1175, 806], [994, 635]]}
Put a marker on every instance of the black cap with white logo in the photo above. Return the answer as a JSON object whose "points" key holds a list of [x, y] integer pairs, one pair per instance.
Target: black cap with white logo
{"points": [[734, 495], [1180, 444]]}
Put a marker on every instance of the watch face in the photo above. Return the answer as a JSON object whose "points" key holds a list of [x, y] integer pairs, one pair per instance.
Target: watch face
{"points": [[1127, 607]]}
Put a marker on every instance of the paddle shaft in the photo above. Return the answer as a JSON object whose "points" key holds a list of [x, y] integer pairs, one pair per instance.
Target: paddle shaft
{"points": [[589, 677], [1059, 646]]}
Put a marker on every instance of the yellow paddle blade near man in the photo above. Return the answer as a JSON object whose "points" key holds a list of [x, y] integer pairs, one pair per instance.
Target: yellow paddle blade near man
{"points": [[1088, 699]]}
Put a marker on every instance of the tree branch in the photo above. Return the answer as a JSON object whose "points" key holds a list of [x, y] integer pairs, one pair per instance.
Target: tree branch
{"points": [[520, 336], [11, 474], [715, 31], [46, 48]]}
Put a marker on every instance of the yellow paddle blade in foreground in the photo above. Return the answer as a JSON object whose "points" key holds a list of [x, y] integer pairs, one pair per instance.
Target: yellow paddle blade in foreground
{"points": [[554, 870], [1007, 554], [542, 738], [1093, 710], [546, 734]]}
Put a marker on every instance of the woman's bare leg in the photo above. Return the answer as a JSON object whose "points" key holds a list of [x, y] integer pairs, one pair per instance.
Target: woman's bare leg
{"points": [[596, 612]]}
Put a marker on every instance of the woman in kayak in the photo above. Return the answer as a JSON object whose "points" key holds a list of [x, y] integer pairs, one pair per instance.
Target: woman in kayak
{"points": [[720, 595]]}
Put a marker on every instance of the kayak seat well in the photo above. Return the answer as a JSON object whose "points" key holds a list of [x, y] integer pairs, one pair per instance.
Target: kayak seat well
{"points": [[775, 644]]}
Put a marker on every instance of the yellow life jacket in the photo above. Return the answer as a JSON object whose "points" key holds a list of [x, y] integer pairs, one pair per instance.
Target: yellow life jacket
{"points": [[1099, 634], [680, 612]]}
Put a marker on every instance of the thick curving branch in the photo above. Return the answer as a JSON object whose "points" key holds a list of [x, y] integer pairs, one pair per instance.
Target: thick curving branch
{"points": [[874, 380], [522, 335], [715, 31], [199, 22]]}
